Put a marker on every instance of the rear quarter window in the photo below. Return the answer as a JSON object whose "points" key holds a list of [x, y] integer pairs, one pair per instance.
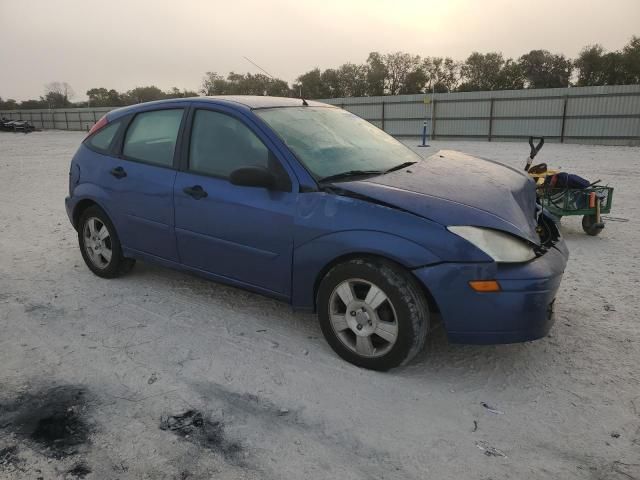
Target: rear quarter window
{"points": [[101, 141]]}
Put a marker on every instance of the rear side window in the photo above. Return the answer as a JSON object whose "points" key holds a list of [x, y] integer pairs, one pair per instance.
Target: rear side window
{"points": [[151, 137], [101, 141]]}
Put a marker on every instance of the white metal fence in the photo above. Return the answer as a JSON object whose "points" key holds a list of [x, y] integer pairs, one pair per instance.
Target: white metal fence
{"points": [[598, 115], [601, 115]]}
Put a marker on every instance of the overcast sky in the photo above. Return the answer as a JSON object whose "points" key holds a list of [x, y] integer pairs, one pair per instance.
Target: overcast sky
{"points": [[126, 43]]}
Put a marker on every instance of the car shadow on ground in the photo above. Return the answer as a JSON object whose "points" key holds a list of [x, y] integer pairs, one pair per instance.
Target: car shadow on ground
{"points": [[439, 362]]}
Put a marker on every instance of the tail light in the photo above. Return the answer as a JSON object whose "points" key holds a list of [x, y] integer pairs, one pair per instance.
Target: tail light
{"points": [[98, 125]]}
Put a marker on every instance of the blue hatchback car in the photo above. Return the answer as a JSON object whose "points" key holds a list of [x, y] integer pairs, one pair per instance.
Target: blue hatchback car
{"points": [[307, 203]]}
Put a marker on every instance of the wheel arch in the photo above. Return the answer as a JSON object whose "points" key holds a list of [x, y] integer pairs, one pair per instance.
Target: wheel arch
{"points": [[433, 306], [313, 259], [80, 207]]}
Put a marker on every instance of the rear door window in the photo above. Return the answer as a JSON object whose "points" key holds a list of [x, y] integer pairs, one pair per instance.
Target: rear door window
{"points": [[152, 136]]}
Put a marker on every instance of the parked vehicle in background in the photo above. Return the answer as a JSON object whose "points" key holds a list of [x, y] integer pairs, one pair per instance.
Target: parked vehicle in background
{"points": [[312, 205], [16, 125]]}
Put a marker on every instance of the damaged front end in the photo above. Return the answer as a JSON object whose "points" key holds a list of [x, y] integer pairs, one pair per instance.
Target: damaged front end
{"points": [[547, 230]]}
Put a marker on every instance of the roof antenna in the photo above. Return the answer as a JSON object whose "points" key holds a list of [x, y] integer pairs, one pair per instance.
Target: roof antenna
{"points": [[304, 102], [256, 65]]}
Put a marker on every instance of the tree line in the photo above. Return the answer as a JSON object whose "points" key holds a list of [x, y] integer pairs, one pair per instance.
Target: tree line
{"points": [[387, 74]]}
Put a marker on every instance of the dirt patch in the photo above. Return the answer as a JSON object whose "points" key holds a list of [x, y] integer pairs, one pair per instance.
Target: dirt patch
{"points": [[53, 421], [208, 433], [9, 459], [79, 470]]}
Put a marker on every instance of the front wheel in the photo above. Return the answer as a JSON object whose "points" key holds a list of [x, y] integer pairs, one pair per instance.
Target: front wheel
{"points": [[373, 313]]}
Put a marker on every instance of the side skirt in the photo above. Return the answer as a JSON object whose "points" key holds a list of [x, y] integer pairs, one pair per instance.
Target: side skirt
{"points": [[145, 257]]}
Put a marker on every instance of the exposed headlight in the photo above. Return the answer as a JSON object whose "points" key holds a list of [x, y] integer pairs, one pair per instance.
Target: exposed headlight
{"points": [[500, 246]]}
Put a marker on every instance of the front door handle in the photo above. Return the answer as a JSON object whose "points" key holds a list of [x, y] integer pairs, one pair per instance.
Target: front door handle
{"points": [[196, 192], [118, 172]]}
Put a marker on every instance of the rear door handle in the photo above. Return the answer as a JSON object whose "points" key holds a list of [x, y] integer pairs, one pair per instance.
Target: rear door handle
{"points": [[196, 192], [118, 172]]}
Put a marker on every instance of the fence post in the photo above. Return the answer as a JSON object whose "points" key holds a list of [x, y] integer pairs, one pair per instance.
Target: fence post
{"points": [[383, 116], [42, 119], [53, 120], [490, 120], [433, 118], [66, 120], [564, 117]]}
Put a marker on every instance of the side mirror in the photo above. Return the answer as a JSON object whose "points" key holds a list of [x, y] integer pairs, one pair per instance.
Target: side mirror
{"points": [[253, 177]]}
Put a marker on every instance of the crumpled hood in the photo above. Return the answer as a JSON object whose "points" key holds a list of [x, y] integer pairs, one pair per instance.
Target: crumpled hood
{"points": [[453, 188]]}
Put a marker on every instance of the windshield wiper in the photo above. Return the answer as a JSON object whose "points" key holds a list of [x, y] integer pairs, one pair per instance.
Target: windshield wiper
{"points": [[350, 173], [398, 167]]}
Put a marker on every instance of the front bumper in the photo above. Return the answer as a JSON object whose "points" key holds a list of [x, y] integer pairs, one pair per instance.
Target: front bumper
{"points": [[521, 311]]}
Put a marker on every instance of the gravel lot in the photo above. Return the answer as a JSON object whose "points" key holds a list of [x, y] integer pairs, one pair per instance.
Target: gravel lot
{"points": [[102, 366]]}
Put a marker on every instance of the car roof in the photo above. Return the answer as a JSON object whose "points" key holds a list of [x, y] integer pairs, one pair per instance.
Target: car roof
{"points": [[258, 101], [247, 101]]}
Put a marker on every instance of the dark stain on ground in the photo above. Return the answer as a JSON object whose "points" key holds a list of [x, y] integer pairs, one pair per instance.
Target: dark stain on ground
{"points": [[206, 432], [262, 418], [79, 470], [53, 420], [9, 459]]}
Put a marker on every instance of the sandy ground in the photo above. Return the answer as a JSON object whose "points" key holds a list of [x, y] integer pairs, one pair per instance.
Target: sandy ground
{"points": [[101, 365]]}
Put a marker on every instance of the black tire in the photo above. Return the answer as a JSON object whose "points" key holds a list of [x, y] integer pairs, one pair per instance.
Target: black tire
{"points": [[590, 226], [407, 300], [117, 265]]}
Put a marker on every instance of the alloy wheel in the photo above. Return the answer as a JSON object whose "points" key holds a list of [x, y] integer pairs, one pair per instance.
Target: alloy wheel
{"points": [[363, 318], [97, 242]]}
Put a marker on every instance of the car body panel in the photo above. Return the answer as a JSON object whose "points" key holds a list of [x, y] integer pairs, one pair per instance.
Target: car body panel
{"points": [[248, 234], [453, 188], [281, 243], [521, 311]]}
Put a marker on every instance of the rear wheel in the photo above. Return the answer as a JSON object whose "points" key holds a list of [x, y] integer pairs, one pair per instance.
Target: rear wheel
{"points": [[100, 246], [373, 313], [590, 226]]}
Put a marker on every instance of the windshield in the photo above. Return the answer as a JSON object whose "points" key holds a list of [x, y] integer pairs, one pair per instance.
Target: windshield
{"points": [[331, 141]]}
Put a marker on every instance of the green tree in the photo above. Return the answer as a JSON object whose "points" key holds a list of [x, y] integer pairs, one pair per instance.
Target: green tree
{"points": [[331, 81], [310, 85], [442, 74], [143, 94], [481, 71], [511, 76], [543, 69], [8, 104], [631, 61], [34, 104], [591, 65], [58, 94], [101, 97], [399, 66], [213, 84], [243, 84], [175, 92], [376, 74], [353, 80]]}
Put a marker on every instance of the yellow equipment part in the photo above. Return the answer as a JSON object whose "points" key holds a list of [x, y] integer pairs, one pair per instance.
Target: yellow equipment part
{"points": [[539, 177]]}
